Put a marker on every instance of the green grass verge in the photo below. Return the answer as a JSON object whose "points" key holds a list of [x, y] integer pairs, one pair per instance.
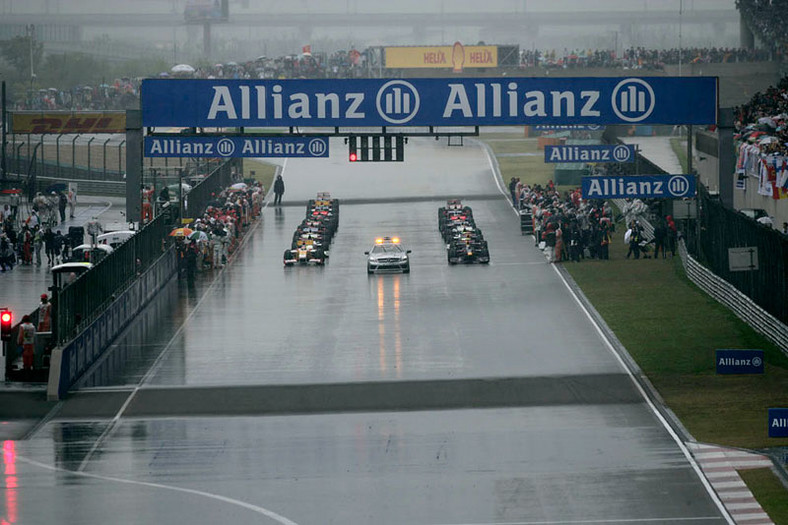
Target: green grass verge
{"points": [[263, 172], [769, 492], [531, 169], [672, 329], [679, 146]]}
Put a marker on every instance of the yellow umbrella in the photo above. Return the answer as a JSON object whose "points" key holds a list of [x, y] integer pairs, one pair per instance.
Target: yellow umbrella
{"points": [[181, 232]]}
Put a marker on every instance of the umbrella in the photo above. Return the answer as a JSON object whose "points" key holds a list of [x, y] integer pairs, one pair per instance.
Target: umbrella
{"points": [[58, 186], [239, 186], [182, 68], [232, 64], [174, 187], [768, 121], [164, 74], [198, 236], [181, 232]]}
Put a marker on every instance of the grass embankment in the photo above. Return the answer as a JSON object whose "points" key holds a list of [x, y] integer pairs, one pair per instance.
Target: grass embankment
{"points": [[672, 328], [770, 493], [528, 164], [263, 172]]}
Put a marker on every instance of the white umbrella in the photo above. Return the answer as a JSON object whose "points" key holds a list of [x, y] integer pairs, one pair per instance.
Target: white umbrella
{"points": [[182, 68], [174, 188], [768, 121], [239, 186]]}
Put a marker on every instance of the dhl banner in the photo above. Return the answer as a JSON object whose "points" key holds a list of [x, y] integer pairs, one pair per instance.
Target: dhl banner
{"points": [[76, 122], [457, 57]]}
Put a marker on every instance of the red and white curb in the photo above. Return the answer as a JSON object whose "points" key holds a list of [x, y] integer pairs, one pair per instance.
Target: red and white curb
{"points": [[720, 466]]}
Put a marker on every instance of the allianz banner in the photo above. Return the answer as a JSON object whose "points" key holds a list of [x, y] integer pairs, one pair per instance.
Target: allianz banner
{"points": [[457, 57], [639, 187], [428, 102], [38, 123]]}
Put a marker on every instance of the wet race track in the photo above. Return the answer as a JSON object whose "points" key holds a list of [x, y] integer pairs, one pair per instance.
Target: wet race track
{"points": [[452, 395]]}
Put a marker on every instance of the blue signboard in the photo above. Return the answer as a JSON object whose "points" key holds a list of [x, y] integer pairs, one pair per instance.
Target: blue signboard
{"points": [[429, 102], [739, 361], [594, 153], [778, 422], [639, 187], [190, 146]]}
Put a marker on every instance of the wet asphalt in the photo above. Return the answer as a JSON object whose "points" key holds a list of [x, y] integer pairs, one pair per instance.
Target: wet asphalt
{"points": [[469, 394]]}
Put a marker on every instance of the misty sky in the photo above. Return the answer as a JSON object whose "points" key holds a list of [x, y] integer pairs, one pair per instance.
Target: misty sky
{"points": [[241, 41]]}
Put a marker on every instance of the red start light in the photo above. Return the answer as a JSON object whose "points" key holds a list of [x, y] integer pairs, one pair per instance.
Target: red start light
{"points": [[353, 157], [5, 317]]}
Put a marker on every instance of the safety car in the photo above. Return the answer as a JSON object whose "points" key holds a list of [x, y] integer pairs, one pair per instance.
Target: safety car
{"points": [[388, 255]]}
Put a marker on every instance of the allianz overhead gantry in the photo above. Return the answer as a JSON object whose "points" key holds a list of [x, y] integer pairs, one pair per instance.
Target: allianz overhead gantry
{"points": [[235, 118]]}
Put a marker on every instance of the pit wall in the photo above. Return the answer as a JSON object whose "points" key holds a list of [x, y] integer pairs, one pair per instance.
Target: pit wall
{"points": [[72, 361]]}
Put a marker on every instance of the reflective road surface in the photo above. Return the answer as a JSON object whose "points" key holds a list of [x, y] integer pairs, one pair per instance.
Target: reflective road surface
{"points": [[452, 395]]}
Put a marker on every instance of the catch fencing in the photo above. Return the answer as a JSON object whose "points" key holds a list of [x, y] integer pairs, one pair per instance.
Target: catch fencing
{"points": [[722, 228]]}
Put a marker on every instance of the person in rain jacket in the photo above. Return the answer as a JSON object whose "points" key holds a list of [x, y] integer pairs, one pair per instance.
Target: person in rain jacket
{"points": [[279, 189]]}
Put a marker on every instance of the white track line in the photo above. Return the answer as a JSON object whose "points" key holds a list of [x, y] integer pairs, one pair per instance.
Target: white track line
{"points": [[582, 522], [687, 454], [254, 508]]}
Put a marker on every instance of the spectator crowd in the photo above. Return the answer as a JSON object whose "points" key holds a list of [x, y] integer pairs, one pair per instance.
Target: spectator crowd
{"points": [[207, 242], [639, 57], [766, 18], [762, 140]]}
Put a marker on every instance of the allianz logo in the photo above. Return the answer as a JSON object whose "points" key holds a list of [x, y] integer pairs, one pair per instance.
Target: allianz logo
{"points": [[399, 101]]}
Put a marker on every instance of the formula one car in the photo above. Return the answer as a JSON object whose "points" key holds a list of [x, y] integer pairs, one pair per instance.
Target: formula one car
{"points": [[464, 241], [312, 237], [387, 254], [470, 249], [304, 252]]}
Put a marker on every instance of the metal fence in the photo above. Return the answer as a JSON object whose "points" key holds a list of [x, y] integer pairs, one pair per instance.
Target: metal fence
{"points": [[722, 228], [78, 303], [204, 193]]}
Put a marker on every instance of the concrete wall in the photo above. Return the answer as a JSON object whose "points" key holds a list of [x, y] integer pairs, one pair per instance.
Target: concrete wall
{"points": [[70, 362]]}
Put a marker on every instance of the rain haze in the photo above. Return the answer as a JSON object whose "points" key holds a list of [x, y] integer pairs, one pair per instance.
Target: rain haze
{"points": [[507, 323]]}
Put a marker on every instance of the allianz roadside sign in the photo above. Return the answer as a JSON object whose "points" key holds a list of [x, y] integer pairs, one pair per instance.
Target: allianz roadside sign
{"points": [[639, 187], [778, 422], [589, 153], [739, 361]]}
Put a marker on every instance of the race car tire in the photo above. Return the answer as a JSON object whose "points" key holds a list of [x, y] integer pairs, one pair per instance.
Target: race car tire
{"points": [[370, 270], [406, 269]]}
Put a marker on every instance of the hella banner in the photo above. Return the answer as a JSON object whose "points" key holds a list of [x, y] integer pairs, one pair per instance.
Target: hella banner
{"points": [[428, 102], [739, 361], [639, 187], [180, 146], [597, 153]]}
